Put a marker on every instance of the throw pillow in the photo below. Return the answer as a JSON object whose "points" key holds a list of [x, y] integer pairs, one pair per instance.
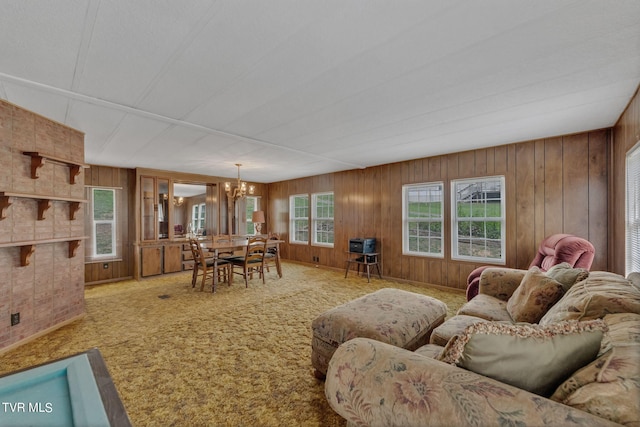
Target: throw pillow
{"points": [[566, 275], [533, 298], [609, 387], [530, 357], [599, 294]]}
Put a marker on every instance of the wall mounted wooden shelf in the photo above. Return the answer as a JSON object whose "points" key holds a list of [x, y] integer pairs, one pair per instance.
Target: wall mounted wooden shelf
{"points": [[44, 203], [27, 247], [38, 160]]}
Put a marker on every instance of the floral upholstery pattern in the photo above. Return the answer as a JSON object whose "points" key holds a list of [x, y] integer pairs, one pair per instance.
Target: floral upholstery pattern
{"points": [[454, 326], [401, 318], [609, 387], [370, 383], [599, 294], [486, 307], [533, 298], [500, 283]]}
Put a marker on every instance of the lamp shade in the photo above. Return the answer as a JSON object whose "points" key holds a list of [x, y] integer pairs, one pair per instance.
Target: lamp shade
{"points": [[258, 217]]}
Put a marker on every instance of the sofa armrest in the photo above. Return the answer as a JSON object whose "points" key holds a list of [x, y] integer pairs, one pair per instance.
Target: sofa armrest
{"points": [[376, 384], [500, 282]]}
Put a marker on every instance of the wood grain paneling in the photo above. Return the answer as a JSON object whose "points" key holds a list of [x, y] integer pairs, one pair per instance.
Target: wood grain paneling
{"points": [[553, 185], [125, 179], [626, 133]]}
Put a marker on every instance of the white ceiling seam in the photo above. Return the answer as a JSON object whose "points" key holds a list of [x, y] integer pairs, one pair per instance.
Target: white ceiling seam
{"points": [[293, 89]]}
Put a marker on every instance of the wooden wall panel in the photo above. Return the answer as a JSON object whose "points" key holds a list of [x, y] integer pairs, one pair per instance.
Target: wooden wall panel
{"points": [[525, 204], [575, 169], [125, 179], [553, 189], [626, 133], [542, 178], [598, 213]]}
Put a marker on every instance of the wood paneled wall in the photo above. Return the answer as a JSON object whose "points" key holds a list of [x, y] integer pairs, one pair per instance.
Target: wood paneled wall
{"points": [[121, 178], [626, 133], [554, 185]]}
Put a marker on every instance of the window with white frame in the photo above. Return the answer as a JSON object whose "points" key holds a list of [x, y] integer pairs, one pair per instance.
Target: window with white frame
{"points": [[632, 220], [422, 217], [478, 219], [198, 216], [299, 218], [322, 218], [252, 203], [103, 222]]}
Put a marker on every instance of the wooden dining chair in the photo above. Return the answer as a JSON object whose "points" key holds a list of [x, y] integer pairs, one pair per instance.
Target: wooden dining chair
{"points": [[252, 261], [204, 267], [271, 255], [224, 238]]}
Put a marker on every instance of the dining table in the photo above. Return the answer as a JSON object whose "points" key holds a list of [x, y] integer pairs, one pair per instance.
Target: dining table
{"points": [[237, 244]]}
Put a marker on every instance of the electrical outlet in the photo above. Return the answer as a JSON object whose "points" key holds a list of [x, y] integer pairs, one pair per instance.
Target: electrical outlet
{"points": [[15, 319]]}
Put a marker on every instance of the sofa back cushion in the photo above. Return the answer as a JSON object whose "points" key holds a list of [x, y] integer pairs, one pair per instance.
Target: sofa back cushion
{"points": [[530, 357], [535, 295], [609, 387], [567, 275], [599, 294]]}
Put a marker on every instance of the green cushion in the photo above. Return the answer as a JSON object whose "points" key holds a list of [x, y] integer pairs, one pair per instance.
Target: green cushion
{"points": [[566, 275], [530, 357]]}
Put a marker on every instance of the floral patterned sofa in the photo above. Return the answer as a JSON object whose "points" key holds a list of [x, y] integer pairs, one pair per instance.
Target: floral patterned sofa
{"points": [[576, 363]]}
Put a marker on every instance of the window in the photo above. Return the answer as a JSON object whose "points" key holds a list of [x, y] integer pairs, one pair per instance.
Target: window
{"points": [[422, 219], [478, 219], [299, 219], [103, 222], [252, 204], [198, 215], [632, 221], [322, 217]]}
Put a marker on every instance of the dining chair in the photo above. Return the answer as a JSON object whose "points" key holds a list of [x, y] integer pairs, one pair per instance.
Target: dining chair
{"points": [[252, 261], [224, 238], [205, 267], [271, 255]]}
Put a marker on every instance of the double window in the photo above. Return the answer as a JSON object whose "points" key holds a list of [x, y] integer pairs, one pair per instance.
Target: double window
{"points": [[299, 219], [478, 219], [422, 219], [319, 215]]}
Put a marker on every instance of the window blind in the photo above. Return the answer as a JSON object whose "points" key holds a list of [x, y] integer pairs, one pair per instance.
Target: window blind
{"points": [[632, 229]]}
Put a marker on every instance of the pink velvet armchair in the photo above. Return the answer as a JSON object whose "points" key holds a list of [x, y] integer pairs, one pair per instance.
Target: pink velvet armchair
{"points": [[555, 249]]}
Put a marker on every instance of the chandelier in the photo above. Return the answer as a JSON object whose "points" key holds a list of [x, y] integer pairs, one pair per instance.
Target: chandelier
{"points": [[240, 190]]}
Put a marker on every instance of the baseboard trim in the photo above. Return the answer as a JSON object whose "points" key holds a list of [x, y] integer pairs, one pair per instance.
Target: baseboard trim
{"points": [[41, 333]]}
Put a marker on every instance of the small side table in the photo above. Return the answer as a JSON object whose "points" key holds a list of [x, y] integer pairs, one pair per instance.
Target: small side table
{"points": [[364, 260]]}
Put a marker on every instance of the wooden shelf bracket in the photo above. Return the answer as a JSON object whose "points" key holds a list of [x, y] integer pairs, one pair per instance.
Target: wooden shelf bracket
{"points": [[74, 207], [4, 204], [36, 163], [43, 207], [25, 254], [38, 160], [73, 247]]}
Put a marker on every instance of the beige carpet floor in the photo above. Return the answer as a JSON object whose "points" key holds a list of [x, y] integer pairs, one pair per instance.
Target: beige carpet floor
{"points": [[237, 357]]}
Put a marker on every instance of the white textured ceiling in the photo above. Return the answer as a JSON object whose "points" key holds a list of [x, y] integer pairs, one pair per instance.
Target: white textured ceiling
{"points": [[293, 88]]}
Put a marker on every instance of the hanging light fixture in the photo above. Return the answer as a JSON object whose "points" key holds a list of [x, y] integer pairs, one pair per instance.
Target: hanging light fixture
{"points": [[240, 190]]}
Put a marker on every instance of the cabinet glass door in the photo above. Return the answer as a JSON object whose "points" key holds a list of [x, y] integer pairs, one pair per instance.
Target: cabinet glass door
{"points": [[147, 208], [163, 208]]}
